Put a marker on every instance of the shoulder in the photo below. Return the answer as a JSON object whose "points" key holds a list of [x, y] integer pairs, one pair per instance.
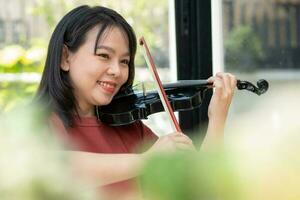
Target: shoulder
{"points": [[56, 124]]}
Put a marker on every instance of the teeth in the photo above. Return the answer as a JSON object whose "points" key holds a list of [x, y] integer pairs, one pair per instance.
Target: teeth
{"points": [[106, 84]]}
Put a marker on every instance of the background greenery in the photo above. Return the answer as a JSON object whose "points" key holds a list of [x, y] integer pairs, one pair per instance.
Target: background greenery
{"points": [[31, 167], [28, 56], [243, 49]]}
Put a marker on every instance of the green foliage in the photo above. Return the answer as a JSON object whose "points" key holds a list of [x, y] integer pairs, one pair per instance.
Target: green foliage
{"points": [[150, 23], [148, 18], [16, 59], [243, 49], [31, 167], [13, 94], [190, 176], [10, 56], [50, 10]]}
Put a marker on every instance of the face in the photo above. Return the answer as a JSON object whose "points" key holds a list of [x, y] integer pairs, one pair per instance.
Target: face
{"points": [[96, 78]]}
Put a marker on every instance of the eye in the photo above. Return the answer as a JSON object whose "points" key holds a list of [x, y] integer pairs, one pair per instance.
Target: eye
{"points": [[125, 61], [103, 55]]}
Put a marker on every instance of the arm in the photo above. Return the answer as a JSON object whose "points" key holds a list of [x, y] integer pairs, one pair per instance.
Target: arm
{"points": [[224, 86], [102, 169], [97, 168]]}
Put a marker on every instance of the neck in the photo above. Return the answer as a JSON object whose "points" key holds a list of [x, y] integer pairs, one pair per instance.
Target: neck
{"points": [[86, 111], [86, 114]]}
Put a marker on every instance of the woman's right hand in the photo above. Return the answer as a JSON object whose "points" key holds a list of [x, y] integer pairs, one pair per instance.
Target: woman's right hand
{"points": [[172, 142]]}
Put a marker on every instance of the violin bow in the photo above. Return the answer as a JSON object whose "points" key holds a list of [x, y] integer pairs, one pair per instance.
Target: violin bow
{"points": [[159, 86]]}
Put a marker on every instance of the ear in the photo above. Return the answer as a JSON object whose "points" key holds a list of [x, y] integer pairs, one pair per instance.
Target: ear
{"points": [[65, 65]]}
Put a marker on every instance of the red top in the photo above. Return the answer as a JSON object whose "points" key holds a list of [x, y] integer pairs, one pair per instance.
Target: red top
{"points": [[90, 135]]}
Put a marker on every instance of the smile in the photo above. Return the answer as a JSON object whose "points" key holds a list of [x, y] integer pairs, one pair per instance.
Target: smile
{"points": [[107, 86]]}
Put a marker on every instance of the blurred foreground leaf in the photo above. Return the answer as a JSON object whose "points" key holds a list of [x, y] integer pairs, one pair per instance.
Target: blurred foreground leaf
{"points": [[183, 176], [32, 164]]}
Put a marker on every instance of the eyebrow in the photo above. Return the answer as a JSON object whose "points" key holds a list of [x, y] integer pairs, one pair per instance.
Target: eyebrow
{"points": [[111, 50]]}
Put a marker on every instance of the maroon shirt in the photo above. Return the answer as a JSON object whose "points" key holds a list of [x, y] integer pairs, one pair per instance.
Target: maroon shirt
{"points": [[90, 135]]}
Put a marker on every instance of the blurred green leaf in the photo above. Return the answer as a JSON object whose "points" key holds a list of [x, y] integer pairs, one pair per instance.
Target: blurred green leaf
{"points": [[13, 94], [32, 163], [11, 55], [243, 49], [186, 176], [33, 56]]}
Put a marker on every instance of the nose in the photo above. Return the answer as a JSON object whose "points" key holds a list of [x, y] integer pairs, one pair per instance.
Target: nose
{"points": [[114, 69]]}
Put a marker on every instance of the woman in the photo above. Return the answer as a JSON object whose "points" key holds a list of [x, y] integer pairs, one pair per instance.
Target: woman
{"points": [[90, 59]]}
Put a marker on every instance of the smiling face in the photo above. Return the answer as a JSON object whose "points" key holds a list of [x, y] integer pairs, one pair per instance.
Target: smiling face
{"points": [[97, 76]]}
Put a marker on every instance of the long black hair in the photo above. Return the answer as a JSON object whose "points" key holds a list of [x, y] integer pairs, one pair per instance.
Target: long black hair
{"points": [[55, 91]]}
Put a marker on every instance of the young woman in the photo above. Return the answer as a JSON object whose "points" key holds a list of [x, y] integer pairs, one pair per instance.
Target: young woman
{"points": [[90, 59]]}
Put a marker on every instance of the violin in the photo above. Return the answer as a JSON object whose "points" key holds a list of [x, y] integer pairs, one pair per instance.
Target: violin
{"points": [[130, 106]]}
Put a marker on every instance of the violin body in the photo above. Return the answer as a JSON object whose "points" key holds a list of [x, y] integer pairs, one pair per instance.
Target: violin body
{"points": [[130, 106], [126, 109]]}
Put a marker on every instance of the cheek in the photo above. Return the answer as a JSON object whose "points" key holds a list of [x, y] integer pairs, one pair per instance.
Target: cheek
{"points": [[125, 75], [82, 77], [77, 74]]}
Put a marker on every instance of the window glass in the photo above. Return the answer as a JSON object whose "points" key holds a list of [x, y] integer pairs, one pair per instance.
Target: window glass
{"points": [[262, 40]]}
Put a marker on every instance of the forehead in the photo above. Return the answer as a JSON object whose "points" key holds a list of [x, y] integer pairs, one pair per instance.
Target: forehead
{"points": [[114, 33]]}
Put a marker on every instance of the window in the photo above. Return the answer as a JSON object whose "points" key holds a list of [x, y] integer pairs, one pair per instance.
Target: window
{"points": [[261, 39], [261, 34], [18, 31], [2, 31]]}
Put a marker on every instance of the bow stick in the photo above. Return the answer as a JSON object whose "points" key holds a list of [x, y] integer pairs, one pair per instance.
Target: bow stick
{"points": [[159, 86]]}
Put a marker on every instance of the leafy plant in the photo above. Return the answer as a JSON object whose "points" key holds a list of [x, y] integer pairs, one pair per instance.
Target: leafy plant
{"points": [[189, 176], [31, 167], [150, 23], [13, 94], [16, 59], [243, 49]]}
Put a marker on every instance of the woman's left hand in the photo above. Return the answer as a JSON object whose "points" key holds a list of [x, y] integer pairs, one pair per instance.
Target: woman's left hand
{"points": [[224, 85]]}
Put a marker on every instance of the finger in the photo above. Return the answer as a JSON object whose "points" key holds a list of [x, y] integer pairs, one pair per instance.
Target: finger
{"points": [[173, 134], [181, 135], [211, 79], [233, 81], [230, 82], [182, 139], [227, 84], [176, 137], [231, 77], [218, 85], [231, 85], [181, 146]]}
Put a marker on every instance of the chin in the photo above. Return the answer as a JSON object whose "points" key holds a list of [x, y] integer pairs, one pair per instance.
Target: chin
{"points": [[101, 99], [103, 102]]}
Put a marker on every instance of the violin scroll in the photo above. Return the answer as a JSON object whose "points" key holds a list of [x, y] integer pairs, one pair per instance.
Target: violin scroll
{"points": [[262, 86]]}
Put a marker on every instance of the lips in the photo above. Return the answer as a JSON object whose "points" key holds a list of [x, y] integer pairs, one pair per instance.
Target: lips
{"points": [[107, 86]]}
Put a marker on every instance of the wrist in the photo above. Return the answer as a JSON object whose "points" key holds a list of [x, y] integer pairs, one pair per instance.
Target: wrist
{"points": [[216, 127]]}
